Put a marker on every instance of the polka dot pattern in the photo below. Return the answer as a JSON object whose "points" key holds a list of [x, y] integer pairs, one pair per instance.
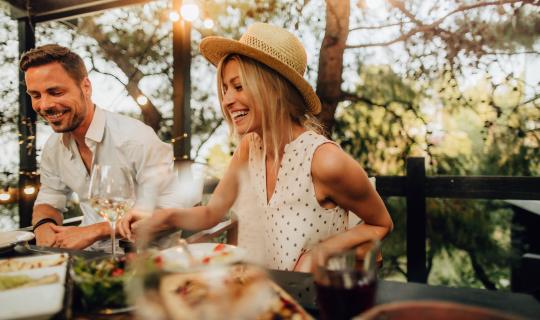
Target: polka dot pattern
{"points": [[294, 221]]}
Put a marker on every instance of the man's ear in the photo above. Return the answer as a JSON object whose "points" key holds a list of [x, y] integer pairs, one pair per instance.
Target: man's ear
{"points": [[86, 87]]}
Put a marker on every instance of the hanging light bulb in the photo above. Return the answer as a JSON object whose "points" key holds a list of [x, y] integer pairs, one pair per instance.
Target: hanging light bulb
{"points": [[4, 195], [29, 190], [208, 23], [142, 100], [189, 11], [174, 16]]}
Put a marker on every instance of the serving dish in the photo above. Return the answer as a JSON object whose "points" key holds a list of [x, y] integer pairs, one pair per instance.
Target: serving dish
{"points": [[35, 298], [227, 292], [9, 239], [176, 259]]}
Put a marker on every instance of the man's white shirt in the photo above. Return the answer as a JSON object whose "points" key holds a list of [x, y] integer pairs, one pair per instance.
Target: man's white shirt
{"points": [[118, 140]]}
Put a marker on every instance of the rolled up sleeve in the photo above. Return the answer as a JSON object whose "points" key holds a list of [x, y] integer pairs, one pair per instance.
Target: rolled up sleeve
{"points": [[53, 191]]}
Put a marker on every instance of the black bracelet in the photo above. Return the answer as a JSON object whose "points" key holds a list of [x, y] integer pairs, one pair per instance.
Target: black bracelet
{"points": [[43, 221]]}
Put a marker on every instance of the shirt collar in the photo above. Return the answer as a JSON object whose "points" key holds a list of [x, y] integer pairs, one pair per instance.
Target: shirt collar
{"points": [[95, 130], [97, 126]]}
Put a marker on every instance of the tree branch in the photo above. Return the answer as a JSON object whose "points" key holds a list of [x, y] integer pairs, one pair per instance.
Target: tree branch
{"points": [[481, 273], [401, 7], [203, 141], [383, 26], [426, 27]]}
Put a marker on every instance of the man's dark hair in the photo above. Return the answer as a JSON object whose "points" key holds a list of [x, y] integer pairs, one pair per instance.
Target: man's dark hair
{"points": [[49, 53]]}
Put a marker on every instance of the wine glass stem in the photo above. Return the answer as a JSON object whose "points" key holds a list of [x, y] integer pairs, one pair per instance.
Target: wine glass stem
{"points": [[113, 238]]}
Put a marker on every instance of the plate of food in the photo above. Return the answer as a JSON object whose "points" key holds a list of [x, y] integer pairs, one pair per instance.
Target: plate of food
{"points": [[9, 239], [32, 287], [99, 285], [231, 292], [203, 254]]}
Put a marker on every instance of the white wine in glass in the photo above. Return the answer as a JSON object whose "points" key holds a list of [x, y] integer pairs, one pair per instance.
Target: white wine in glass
{"points": [[112, 194]]}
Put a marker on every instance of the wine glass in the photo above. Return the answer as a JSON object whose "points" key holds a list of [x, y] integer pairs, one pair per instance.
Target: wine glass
{"points": [[191, 178], [111, 194]]}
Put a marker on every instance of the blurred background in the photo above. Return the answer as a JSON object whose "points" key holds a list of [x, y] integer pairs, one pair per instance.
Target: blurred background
{"points": [[454, 81]]}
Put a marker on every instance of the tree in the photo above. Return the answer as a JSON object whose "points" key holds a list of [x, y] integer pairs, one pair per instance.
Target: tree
{"points": [[395, 81]]}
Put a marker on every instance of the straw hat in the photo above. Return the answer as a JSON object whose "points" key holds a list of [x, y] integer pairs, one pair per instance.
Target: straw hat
{"points": [[273, 46]]}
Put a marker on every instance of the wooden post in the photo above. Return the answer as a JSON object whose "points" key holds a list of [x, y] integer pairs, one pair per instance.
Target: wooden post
{"points": [[27, 131], [416, 220], [181, 86]]}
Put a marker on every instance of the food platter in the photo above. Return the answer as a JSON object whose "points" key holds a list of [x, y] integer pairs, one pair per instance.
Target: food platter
{"points": [[9, 239], [32, 287], [204, 254], [231, 292]]}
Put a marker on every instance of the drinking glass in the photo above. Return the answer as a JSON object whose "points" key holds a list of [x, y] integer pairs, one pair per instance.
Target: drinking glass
{"points": [[112, 193], [191, 177], [345, 280]]}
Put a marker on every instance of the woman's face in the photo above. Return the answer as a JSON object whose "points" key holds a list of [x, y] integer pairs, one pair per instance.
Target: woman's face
{"points": [[236, 103]]}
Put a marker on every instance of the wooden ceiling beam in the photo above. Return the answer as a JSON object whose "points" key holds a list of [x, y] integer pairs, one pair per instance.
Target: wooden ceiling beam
{"points": [[49, 10]]}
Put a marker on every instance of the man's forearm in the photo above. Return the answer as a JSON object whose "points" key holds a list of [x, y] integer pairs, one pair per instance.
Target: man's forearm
{"points": [[42, 211]]}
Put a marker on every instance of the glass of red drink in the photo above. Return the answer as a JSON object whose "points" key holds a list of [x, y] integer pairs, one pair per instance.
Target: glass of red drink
{"points": [[346, 280]]}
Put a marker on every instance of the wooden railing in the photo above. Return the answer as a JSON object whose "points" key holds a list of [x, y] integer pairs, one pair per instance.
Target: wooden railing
{"points": [[416, 187]]}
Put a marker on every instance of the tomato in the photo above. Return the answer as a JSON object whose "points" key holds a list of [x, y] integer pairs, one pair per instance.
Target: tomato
{"points": [[206, 260], [219, 247], [158, 261], [117, 272]]}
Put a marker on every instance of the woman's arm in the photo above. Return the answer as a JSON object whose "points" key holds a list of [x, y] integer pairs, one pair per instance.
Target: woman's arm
{"points": [[339, 180], [196, 218]]}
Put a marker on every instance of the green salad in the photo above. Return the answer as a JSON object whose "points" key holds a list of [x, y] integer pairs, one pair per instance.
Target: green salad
{"points": [[99, 284]]}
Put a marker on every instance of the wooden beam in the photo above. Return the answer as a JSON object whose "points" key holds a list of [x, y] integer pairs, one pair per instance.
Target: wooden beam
{"points": [[27, 131], [483, 187], [181, 86], [49, 10], [416, 220], [466, 187]]}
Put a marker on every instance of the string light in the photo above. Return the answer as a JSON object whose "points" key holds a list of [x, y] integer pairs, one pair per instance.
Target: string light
{"points": [[142, 100], [5, 195], [174, 16], [208, 23], [189, 11], [29, 190], [183, 136]]}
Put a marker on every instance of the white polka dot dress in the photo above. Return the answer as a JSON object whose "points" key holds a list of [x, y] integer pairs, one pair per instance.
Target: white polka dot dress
{"points": [[293, 220]]}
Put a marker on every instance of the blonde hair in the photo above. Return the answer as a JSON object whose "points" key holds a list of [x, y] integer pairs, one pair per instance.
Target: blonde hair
{"points": [[278, 102]]}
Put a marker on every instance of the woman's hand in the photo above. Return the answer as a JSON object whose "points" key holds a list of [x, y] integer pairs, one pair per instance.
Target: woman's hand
{"points": [[160, 220], [125, 224], [304, 263]]}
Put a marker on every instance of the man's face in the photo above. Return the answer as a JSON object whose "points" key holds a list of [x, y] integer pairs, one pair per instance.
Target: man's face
{"points": [[56, 97]]}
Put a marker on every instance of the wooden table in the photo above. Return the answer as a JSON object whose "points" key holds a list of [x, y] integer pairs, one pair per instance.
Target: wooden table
{"points": [[300, 286]]}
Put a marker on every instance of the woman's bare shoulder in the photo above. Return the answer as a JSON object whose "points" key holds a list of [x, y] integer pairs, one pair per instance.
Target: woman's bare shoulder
{"points": [[331, 163]]}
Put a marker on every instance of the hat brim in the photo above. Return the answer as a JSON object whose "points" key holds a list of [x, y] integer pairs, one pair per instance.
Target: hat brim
{"points": [[214, 49]]}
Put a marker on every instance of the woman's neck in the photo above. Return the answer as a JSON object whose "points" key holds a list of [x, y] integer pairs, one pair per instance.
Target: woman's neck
{"points": [[296, 131]]}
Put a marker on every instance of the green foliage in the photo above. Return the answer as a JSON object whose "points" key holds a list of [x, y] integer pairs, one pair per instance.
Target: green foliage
{"points": [[454, 102]]}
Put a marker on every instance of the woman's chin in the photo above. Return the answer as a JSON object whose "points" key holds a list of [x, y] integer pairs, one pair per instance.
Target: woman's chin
{"points": [[242, 130]]}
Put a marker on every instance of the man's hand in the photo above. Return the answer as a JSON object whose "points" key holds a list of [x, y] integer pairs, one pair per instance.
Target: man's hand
{"points": [[45, 235], [76, 237]]}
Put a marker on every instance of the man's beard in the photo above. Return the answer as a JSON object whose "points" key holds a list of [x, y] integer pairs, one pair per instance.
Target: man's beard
{"points": [[75, 121]]}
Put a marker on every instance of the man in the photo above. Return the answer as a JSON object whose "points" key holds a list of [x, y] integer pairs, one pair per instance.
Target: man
{"points": [[85, 135]]}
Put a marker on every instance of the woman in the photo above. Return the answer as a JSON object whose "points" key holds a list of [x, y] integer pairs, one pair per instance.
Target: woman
{"points": [[305, 183]]}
